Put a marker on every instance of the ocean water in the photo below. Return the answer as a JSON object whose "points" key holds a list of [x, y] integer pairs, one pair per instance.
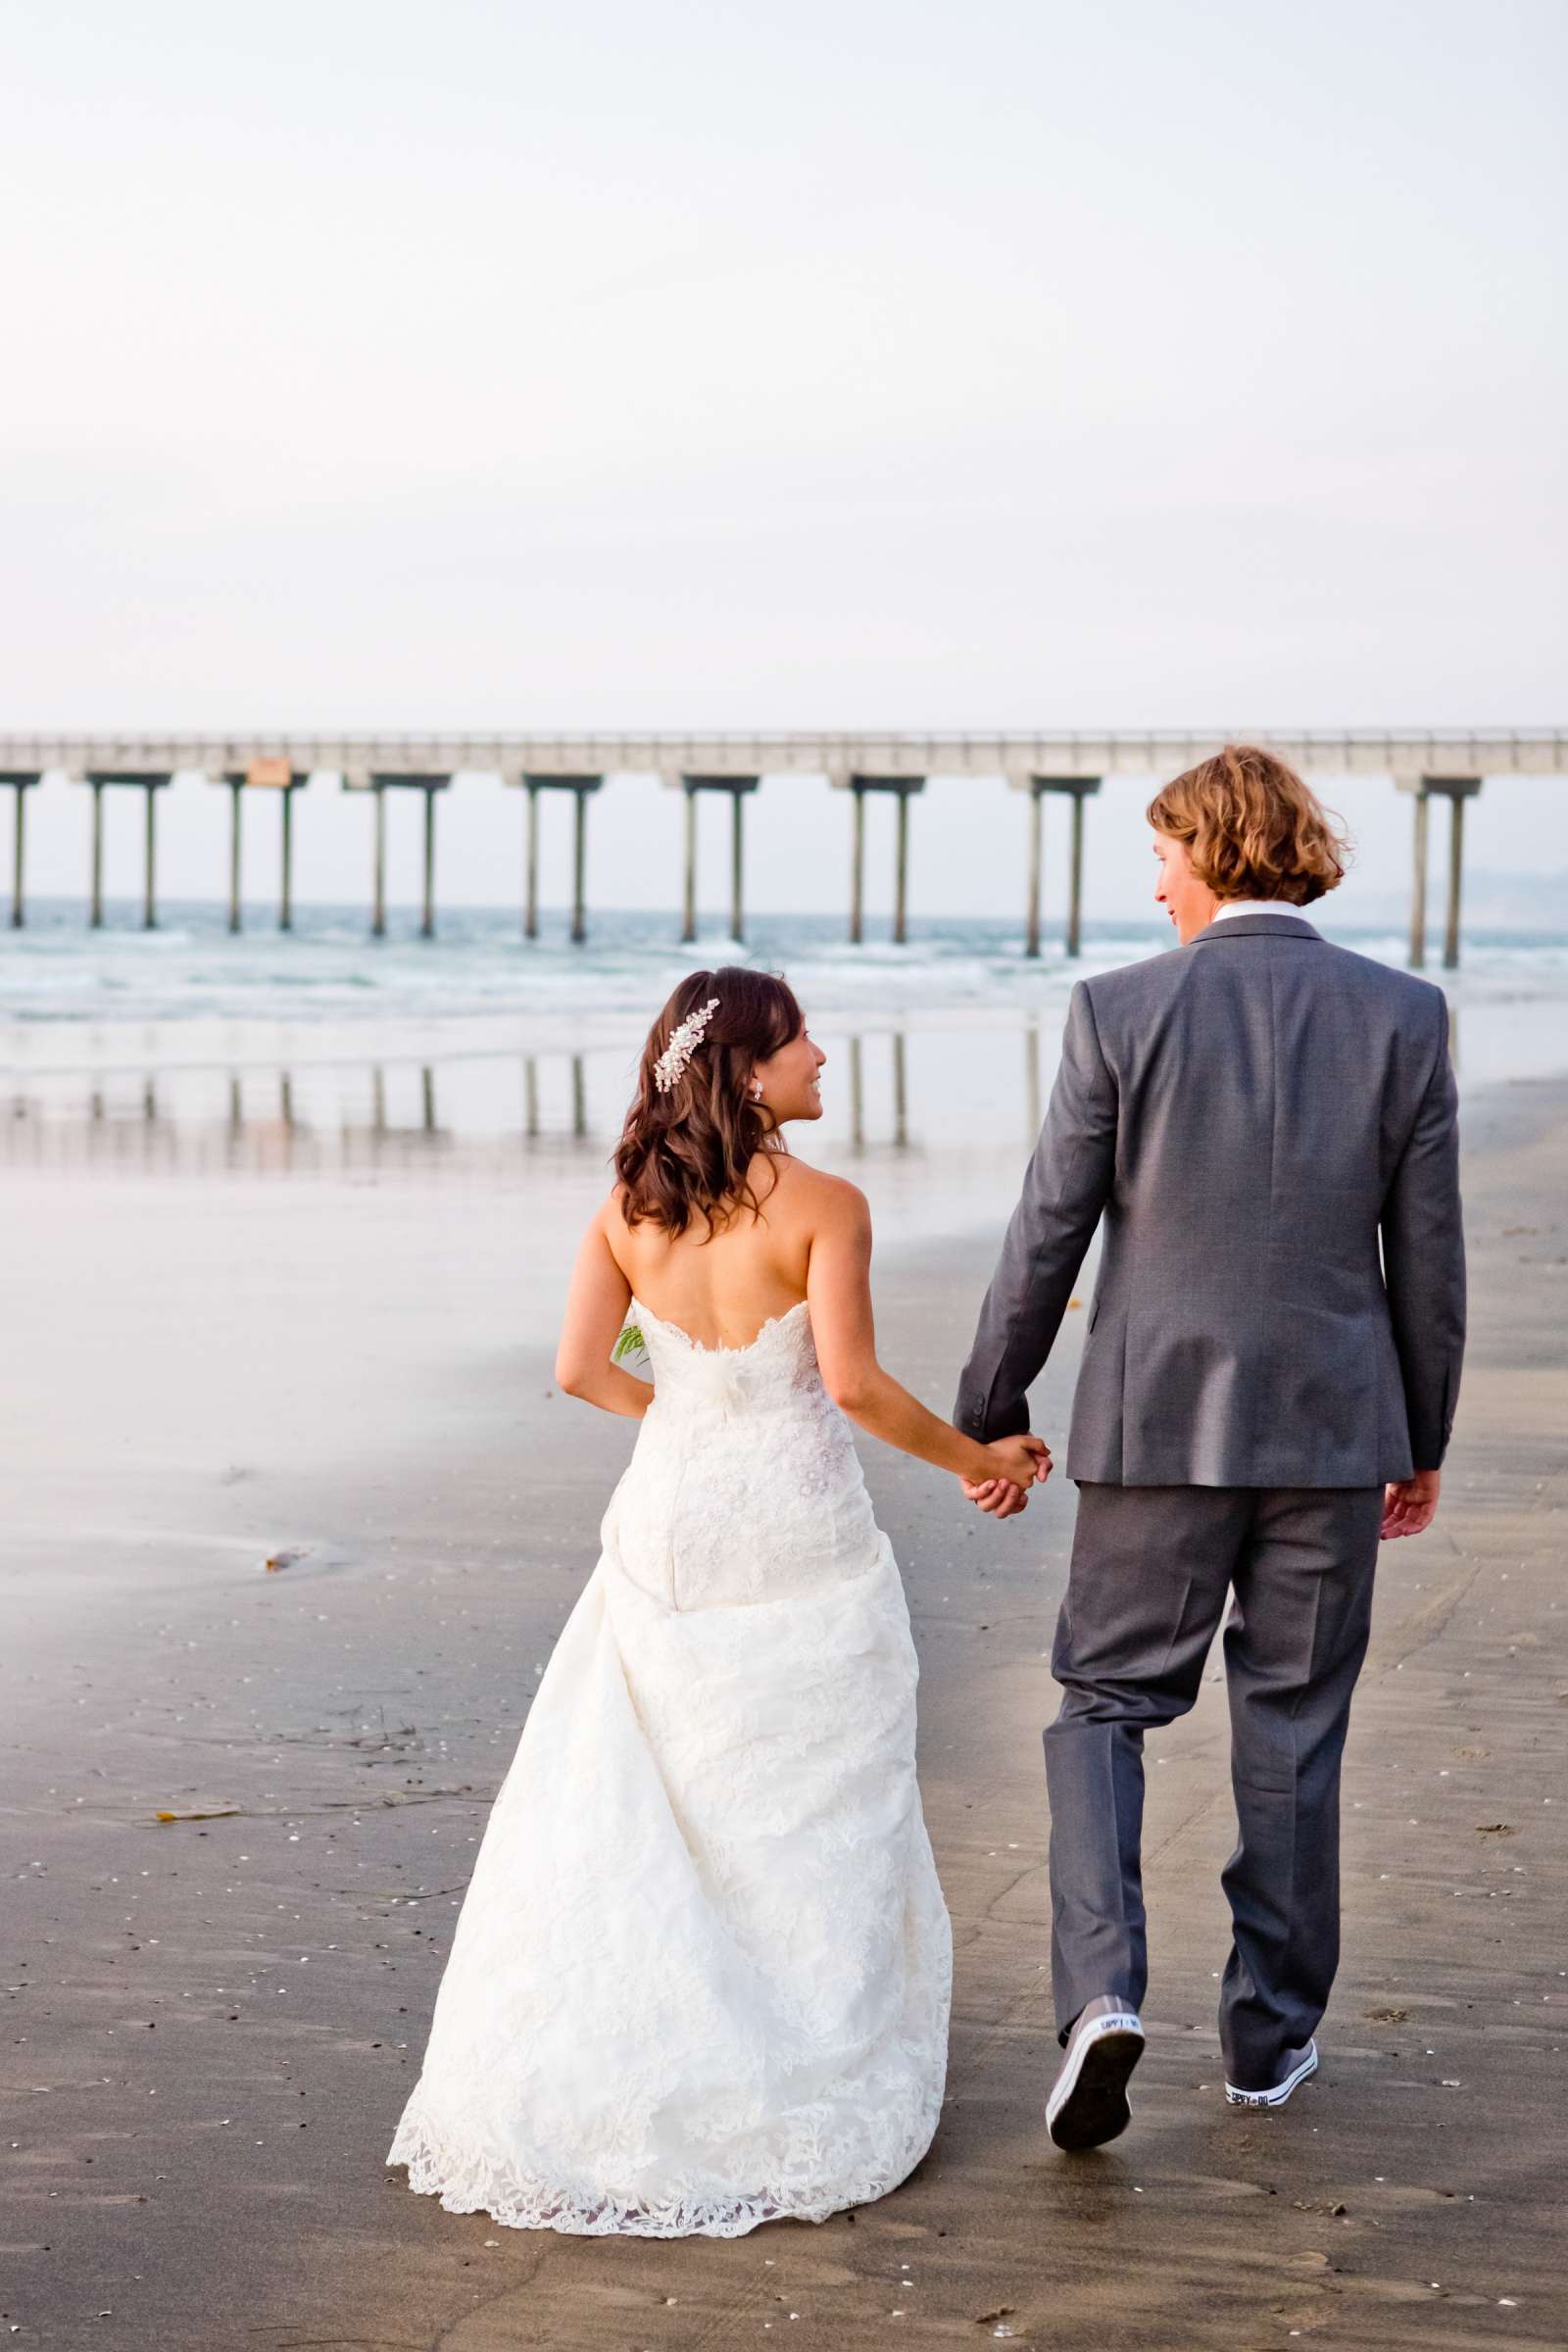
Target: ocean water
{"points": [[186, 1049], [55, 970]]}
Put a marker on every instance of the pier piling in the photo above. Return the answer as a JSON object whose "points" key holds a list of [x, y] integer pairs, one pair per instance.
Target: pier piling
{"points": [[1450, 931], [1031, 936], [1075, 874], [530, 864], [96, 913], [901, 872], [150, 784], [1416, 787], [534, 783], [427, 926], [857, 786], [737, 788], [20, 780], [737, 865], [378, 782], [579, 786], [1080, 788], [273, 775], [149, 900], [1455, 790], [236, 787], [580, 868], [378, 907], [285, 896], [688, 928], [858, 873]]}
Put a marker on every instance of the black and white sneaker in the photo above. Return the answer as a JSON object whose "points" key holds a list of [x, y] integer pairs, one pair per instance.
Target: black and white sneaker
{"points": [[1088, 2102], [1296, 2065]]}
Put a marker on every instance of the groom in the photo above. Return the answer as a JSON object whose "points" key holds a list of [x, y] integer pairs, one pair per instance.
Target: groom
{"points": [[1266, 1125]]}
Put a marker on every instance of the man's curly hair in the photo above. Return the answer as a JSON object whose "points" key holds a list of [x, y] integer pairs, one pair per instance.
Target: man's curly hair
{"points": [[1254, 829]]}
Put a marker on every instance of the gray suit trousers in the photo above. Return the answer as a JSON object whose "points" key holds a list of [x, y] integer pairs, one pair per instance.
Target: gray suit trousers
{"points": [[1151, 1569]]}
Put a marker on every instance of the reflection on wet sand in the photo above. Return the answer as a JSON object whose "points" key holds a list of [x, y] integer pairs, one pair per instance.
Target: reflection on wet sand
{"points": [[173, 1121], [891, 1091], [899, 1062], [321, 1118]]}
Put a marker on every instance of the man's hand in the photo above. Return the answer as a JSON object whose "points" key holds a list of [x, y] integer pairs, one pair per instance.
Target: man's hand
{"points": [[996, 1496], [1022, 1462], [1410, 1504]]}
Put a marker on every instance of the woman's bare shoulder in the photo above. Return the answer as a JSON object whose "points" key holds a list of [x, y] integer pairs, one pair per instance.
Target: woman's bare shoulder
{"points": [[613, 1221], [823, 1198]]}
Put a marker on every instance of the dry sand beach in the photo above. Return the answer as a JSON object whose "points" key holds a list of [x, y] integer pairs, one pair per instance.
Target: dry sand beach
{"points": [[214, 2018]]}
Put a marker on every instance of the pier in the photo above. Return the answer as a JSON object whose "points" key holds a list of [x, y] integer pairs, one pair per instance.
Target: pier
{"points": [[273, 775], [1445, 765]]}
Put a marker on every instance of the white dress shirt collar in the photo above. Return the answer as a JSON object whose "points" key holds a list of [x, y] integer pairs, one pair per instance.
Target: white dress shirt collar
{"points": [[1259, 906]]}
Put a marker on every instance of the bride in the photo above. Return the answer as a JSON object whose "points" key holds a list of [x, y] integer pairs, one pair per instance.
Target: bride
{"points": [[701, 1974]]}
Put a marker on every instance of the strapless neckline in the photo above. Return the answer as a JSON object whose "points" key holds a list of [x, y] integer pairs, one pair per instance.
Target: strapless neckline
{"points": [[641, 1308]]}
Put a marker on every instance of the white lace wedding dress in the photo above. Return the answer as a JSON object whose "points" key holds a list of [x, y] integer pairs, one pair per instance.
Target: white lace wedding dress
{"points": [[701, 1974]]}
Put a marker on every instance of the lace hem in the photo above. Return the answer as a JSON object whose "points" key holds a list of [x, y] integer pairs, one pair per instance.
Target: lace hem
{"points": [[468, 2186]]}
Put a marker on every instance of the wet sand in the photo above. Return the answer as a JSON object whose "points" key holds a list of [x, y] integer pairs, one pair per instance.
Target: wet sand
{"points": [[212, 2023]]}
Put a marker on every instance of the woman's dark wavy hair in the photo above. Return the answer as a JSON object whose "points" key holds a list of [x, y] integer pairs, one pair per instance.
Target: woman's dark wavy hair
{"points": [[688, 1152]]}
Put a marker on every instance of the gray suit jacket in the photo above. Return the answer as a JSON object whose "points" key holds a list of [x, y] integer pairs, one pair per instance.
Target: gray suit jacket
{"points": [[1267, 1125]]}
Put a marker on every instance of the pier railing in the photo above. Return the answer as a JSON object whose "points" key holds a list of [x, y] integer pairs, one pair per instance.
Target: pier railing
{"points": [[1450, 764]]}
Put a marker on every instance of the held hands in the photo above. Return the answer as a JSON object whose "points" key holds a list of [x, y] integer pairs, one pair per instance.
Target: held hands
{"points": [[1021, 1463]]}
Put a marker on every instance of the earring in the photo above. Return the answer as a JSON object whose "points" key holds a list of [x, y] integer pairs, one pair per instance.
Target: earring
{"points": [[756, 1090]]}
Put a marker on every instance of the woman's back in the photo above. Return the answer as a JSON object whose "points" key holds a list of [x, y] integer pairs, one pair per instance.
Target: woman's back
{"points": [[720, 1283], [745, 1485]]}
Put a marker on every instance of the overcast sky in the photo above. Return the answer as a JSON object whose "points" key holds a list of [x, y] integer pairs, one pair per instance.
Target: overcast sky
{"points": [[1019, 365]]}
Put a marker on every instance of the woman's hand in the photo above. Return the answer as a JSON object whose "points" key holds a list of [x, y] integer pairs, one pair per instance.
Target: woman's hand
{"points": [[1023, 1461], [1006, 1494]]}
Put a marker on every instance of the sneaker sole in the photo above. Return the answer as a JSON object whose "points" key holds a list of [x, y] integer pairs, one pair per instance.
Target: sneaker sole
{"points": [[1280, 2092], [1090, 2106]]}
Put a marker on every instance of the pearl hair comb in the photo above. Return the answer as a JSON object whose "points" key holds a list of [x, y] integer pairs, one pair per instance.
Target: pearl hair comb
{"points": [[684, 1043]]}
